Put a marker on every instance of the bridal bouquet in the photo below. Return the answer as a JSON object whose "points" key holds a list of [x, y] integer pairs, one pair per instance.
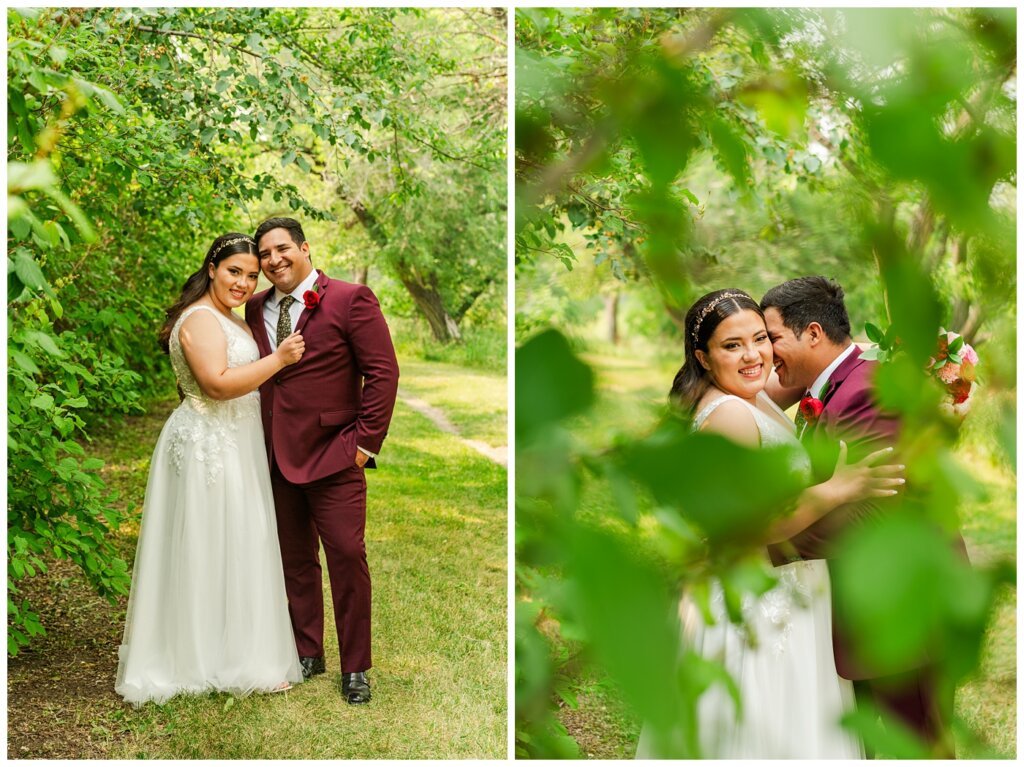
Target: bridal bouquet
{"points": [[954, 365]]}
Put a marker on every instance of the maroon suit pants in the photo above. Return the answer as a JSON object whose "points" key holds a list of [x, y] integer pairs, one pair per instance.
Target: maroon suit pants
{"points": [[913, 700], [331, 510]]}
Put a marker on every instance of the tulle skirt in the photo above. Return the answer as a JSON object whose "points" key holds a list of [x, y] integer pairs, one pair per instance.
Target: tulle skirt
{"points": [[207, 609], [792, 698]]}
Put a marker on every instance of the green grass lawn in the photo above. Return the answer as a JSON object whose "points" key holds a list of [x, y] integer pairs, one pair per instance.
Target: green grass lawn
{"points": [[631, 395], [436, 544], [475, 401]]}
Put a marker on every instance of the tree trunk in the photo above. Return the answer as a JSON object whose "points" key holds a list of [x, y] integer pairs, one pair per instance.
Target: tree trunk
{"points": [[362, 275], [428, 301], [611, 317], [424, 292]]}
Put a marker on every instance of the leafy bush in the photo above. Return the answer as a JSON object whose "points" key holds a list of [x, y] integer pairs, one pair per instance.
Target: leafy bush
{"points": [[57, 504]]}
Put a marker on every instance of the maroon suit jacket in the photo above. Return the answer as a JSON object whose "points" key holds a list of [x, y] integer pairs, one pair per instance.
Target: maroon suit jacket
{"points": [[850, 414], [340, 395]]}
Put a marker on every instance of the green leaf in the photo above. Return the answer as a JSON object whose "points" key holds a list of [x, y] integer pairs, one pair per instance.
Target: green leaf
{"points": [[28, 271], [109, 100], [288, 158], [20, 227], [44, 341], [551, 383], [917, 313], [302, 163], [903, 592], [625, 606], [24, 362], [207, 135], [875, 335], [781, 100], [43, 401], [722, 509]]}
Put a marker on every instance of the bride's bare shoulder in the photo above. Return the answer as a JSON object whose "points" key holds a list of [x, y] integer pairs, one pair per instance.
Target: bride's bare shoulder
{"points": [[733, 419]]}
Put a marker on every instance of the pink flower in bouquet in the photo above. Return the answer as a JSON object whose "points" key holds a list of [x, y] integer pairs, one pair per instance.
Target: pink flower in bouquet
{"points": [[949, 373], [954, 365]]}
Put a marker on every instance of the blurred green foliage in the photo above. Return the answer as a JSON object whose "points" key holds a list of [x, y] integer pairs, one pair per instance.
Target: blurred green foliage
{"points": [[137, 135], [662, 153]]}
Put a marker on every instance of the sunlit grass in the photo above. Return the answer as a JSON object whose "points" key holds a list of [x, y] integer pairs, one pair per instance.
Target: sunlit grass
{"points": [[436, 544], [475, 401]]}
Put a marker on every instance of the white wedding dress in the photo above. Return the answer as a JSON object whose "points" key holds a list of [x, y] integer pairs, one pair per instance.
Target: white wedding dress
{"points": [[208, 609], [791, 695]]}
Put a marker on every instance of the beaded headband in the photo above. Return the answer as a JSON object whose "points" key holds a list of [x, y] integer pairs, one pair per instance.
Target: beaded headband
{"points": [[708, 309], [233, 241]]}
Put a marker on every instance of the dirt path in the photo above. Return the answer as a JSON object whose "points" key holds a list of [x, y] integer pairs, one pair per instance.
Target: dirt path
{"points": [[497, 454]]}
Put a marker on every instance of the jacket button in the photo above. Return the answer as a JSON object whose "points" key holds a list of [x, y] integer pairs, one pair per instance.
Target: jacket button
{"points": [[278, 381]]}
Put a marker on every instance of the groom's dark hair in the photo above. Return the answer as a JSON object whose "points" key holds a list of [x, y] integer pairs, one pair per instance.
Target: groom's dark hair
{"points": [[293, 227], [810, 299]]}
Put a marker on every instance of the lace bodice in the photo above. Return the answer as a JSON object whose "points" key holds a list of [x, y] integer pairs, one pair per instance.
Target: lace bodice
{"points": [[207, 425], [241, 351]]}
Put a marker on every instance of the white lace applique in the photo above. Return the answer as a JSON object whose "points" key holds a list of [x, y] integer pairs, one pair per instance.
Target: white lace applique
{"points": [[202, 428]]}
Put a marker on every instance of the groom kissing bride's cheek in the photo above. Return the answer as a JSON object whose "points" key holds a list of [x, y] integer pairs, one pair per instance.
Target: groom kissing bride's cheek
{"points": [[815, 356], [324, 422], [842, 442]]}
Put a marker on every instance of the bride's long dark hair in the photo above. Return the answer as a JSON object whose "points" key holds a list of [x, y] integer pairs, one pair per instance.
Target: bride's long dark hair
{"points": [[703, 317], [225, 246]]}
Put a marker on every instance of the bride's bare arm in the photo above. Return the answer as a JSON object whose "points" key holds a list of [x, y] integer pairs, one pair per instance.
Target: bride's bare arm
{"points": [[202, 341], [850, 483]]}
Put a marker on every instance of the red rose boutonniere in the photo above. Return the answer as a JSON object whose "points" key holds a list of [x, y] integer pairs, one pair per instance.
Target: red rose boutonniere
{"points": [[810, 409], [311, 299]]}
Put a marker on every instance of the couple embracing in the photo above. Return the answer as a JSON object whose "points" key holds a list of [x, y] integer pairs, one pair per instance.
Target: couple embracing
{"points": [[261, 462], [746, 362]]}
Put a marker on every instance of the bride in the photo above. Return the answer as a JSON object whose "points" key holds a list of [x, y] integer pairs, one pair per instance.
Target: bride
{"points": [[792, 696], [207, 609]]}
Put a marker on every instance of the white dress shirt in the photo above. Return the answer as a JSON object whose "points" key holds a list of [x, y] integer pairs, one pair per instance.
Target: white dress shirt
{"points": [[272, 307], [821, 380]]}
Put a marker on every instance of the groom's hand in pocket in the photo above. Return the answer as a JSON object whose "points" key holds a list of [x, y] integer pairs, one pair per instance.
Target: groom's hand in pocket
{"points": [[361, 458]]}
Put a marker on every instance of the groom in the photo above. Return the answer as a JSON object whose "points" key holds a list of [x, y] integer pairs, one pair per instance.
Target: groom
{"points": [[324, 420], [815, 355]]}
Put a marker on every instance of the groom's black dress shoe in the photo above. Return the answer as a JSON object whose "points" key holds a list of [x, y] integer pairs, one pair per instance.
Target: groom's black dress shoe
{"points": [[312, 666], [355, 688]]}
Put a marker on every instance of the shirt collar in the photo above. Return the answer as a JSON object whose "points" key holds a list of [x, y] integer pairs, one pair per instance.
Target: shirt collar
{"points": [[302, 287], [821, 380]]}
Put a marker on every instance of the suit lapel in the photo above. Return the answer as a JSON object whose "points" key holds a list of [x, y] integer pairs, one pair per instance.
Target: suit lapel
{"points": [[259, 330], [835, 380], [840, 374], [321, 287]]}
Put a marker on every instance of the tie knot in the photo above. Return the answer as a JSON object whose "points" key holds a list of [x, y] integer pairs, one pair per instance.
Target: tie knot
{"points": [[286, 302]]}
